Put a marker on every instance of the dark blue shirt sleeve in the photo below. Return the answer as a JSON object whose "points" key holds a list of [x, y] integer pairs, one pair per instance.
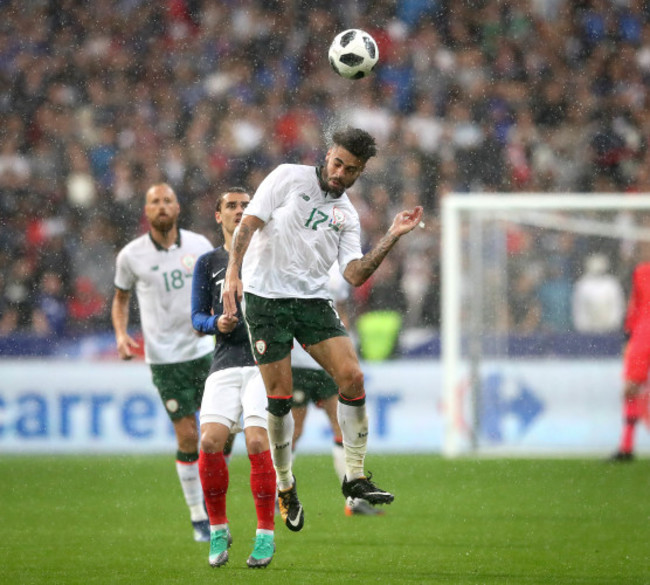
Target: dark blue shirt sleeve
{"points": [[202, 318]]}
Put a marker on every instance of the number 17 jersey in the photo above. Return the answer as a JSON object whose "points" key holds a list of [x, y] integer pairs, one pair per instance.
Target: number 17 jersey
{"points": [[306, 230]]}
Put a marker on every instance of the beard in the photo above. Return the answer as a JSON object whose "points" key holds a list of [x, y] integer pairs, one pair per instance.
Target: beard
{"points": [[335, 190], [163, 224]]}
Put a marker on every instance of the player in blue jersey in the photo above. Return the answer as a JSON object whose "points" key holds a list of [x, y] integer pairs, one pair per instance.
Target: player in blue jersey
{"points": [[234, 390]]}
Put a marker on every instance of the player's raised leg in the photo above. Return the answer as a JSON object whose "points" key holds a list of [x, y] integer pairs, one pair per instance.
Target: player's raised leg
{"points": [[353, 506], [338, 357]]}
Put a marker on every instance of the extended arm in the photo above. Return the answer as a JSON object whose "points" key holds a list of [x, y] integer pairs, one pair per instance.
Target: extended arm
{"points": [[358, 271], [232, 286], [120, 318]]}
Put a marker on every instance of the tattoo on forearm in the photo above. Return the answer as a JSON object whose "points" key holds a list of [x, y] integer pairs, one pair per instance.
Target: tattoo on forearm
{"points": [[371, 261], [240, 243]]}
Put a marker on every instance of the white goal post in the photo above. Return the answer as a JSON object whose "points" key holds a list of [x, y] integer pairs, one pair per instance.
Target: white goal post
{"points": [[539, 209]]}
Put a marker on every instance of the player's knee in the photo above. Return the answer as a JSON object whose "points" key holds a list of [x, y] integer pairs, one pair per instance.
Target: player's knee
{"points": [[187, 443], [631, 389], [257, 440], [186, 431], [210, 443], [351, 382]]}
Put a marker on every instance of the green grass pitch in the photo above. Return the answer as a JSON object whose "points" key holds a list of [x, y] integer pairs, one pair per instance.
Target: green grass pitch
{"points": [[121, 520]]}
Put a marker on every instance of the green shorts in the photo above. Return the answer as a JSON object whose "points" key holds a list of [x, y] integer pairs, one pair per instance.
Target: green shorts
{"points": [[312, 386], [181, 385], [273, 323]]}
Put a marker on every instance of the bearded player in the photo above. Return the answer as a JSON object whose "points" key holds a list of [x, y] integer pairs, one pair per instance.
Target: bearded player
{"points": [[299, 223], [159, 265]]}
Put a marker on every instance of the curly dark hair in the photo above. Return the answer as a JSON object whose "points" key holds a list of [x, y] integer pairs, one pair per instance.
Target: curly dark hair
{"points": [[356, 141]]}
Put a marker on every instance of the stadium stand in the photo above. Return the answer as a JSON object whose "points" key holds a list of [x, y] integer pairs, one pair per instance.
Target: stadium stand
{"points": [[100, 100]]}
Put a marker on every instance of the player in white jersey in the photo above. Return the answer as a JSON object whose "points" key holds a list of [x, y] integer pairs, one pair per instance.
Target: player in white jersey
{"points": [[159, 265], [299, 223]]}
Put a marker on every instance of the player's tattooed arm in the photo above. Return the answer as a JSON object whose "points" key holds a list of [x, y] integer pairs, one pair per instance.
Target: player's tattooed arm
{"points": [[240, 241], [232, 287], [358, 271]]}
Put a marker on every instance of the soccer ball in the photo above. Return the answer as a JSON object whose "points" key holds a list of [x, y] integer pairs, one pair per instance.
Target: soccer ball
{"points": [[353, 54]]}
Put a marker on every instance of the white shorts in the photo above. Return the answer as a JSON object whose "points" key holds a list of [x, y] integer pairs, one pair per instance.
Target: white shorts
{"points": [[234, 393]]}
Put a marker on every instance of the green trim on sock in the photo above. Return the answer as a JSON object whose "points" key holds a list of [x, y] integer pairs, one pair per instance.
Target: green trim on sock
{"points": [[187, 457]]}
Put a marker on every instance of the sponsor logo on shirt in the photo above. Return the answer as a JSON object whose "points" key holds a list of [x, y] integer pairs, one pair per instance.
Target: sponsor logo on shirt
{"points": [[305, 196]]}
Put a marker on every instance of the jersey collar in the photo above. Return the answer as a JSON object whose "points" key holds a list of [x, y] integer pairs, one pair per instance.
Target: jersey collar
{"points": [[177, 243]]}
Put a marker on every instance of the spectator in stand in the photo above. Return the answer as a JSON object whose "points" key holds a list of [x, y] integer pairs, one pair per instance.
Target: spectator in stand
{"points": [[87, 307], [598, 299], [50, 310], [94, 245], [19, 294], [83, 106], [384, 303], [524, 304], [554, 294]]}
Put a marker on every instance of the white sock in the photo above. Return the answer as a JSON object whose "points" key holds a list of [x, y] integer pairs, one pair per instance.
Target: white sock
{"points": [[280, 435], [338, 458], [354, 428], [188, 474]]}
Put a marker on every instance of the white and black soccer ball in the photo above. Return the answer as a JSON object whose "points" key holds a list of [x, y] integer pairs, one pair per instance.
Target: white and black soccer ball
{"points": [[353, 54]]}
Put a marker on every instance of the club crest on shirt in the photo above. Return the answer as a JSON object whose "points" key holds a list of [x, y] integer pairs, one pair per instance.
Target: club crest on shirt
{"points": [[260, 346], [338, 219], [188, 261]]}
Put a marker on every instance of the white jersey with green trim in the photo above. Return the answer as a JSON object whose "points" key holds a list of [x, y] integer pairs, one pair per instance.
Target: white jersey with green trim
{"points": [[163, 285], [306, 230]]}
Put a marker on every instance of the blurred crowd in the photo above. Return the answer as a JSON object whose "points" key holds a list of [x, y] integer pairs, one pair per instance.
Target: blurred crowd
{"points": [[99, 100]]}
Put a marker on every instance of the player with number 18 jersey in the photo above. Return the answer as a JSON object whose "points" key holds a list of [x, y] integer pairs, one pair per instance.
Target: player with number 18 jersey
{"points": [[163, 285]]}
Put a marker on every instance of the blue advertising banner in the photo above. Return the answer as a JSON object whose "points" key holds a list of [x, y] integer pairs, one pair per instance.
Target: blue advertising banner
{"points": [[525, 407]]}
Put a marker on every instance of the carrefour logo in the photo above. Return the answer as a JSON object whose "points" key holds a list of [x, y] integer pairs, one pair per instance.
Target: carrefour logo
{"points": [[81, 416]]}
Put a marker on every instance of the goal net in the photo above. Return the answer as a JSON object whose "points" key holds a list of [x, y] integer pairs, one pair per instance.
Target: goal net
{"points": [[520, 370]]}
